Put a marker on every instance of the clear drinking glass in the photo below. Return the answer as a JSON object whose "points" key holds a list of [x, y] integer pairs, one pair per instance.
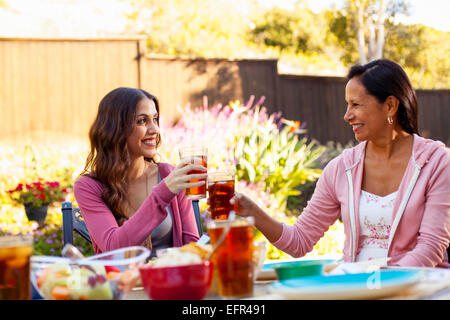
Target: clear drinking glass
{"points": [[15, 253], [197, 155], [220, 191]]}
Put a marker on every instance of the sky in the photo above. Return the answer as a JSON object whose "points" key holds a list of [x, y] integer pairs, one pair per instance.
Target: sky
{"points": [[91, 18]]}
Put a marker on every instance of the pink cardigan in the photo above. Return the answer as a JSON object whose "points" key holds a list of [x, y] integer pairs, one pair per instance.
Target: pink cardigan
{"points": [[105, 233], [420, 228]]}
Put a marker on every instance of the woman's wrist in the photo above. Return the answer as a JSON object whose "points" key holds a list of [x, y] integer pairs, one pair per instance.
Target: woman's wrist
{"points": [[269, 227], [164, 192]]}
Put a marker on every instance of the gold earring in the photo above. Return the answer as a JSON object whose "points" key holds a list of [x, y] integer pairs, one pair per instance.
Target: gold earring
{"points": [[390, 121]]}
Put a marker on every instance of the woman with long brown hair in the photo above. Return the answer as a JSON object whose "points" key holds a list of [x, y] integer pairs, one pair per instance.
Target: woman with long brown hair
{"points": [[125, 196]]}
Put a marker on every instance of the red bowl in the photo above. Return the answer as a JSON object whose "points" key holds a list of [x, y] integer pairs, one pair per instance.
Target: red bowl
{"points": [[188, 282]]}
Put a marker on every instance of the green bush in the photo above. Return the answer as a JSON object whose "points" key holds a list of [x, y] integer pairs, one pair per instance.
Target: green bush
{"points": [[277, 157], [296, 203]]}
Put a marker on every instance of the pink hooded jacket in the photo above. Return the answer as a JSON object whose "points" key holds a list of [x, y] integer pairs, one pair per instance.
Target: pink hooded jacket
{"points": [[420, 226], [105, 233]]}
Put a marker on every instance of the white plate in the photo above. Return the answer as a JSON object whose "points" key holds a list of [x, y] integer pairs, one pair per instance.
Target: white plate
{"points": [[373, 285]]}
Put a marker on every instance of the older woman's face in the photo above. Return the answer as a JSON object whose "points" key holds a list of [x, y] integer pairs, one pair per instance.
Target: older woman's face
{"points": [[365, 114], [142, 141]]}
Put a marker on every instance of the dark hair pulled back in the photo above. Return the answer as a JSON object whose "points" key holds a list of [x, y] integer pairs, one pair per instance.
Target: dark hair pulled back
{"points": [[383, 78]]}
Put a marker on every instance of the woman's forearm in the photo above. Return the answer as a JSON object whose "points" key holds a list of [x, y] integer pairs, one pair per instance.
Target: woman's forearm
{"points": [[268, 226], [246, 207]]}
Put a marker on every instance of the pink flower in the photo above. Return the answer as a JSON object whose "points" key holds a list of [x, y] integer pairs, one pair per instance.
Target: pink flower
{"points": [[38, 192], [53, 184]]}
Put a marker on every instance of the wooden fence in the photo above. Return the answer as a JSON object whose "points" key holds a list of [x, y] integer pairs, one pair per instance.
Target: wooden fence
{"points": [[434, 114], [49, 85], [183, 81], [55, 86], [318, 102]]}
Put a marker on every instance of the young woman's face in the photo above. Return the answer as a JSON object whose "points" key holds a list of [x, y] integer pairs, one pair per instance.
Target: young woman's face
{"points": [[142, 141], [365, 114]]}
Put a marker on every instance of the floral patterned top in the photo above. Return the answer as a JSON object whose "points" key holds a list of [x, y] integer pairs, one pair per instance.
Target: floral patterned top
{"points": [[375, 218]]}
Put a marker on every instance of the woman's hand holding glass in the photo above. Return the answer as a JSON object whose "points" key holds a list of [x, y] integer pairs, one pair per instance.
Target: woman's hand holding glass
{"points": [[243, 205], [246, 207], [179, 178]]}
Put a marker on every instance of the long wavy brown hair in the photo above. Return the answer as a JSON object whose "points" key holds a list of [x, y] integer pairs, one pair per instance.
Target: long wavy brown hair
{"points": [[109, 160]]}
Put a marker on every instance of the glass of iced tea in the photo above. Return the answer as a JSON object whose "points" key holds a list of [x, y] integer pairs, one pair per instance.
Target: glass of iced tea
{"points": [[233, 260], [220, 191], [197, 155], [15, 253]]}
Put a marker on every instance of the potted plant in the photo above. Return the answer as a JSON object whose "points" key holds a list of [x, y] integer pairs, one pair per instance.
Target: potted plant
{"points": [[36, 196]]}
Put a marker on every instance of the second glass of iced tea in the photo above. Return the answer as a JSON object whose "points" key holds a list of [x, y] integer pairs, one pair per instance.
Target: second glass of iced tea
{"points": [[220, 191], [196, 155]]}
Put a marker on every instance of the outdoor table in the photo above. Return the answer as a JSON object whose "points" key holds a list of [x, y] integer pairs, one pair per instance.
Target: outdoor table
{"points": [[424, 290], [259, 290]]}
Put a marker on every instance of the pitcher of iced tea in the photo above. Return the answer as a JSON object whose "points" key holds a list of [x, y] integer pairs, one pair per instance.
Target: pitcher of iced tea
{"points": [[233, 260]]}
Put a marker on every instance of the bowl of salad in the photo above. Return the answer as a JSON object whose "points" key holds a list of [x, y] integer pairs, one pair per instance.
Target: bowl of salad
{"points": [[107, 276]]}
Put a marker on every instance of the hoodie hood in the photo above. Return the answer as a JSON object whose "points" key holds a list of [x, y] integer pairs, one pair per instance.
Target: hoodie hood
{"points": [[422, 150]]}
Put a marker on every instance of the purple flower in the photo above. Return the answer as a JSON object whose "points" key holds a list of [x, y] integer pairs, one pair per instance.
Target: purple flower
{"points": [[250, 101], [260, 101]]}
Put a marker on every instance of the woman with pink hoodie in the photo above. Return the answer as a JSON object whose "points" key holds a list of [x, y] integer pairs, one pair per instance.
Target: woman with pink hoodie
{"points": [[392, 190]]}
